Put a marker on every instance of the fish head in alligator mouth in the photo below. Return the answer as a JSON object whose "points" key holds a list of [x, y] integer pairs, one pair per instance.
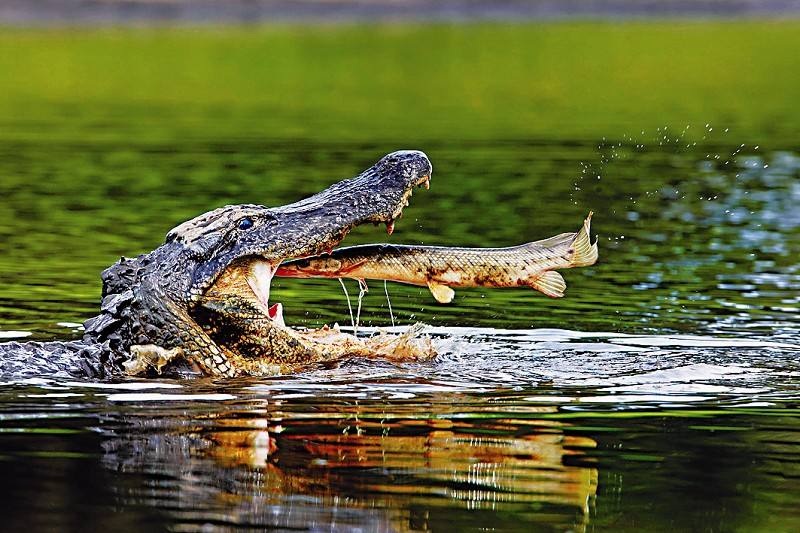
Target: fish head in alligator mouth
{"points": [[210, 280]]}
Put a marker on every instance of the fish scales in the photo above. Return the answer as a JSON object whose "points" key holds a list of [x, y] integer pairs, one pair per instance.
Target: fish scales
{"points": [[533, 264]]}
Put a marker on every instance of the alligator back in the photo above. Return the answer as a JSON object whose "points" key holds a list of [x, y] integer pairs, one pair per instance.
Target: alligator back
{"points": [[52, 359]]}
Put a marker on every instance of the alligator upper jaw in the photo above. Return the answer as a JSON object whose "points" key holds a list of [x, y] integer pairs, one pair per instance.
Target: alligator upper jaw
{"points": [[249, 278], [216, 240]]}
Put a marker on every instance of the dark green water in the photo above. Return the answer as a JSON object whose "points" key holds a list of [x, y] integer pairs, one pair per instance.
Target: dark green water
{"points": [[660, 394]]}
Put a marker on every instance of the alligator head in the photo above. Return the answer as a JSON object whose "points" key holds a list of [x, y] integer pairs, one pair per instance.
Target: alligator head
{"points": [[203, 296]]}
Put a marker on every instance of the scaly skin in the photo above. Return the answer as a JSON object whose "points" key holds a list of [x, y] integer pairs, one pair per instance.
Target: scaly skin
{"points": [[151, 304], [439, 267]]}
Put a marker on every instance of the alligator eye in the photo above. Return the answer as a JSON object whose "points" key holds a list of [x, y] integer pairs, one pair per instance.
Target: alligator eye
{"points": [[246, 223]]}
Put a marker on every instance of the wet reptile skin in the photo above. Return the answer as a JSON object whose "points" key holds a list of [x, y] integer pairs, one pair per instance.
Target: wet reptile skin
{"points": [[151, 303]]}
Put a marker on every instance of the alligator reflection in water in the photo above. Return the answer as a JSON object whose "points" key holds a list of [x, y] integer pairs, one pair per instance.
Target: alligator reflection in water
{"points": [[363, 467]]}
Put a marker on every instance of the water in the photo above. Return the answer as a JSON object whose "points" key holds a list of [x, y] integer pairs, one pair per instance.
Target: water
{"points": [[508, 430], [659, 394]]}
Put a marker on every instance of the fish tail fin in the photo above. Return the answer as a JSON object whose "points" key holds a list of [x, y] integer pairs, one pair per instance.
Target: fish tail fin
{"points": [[584, 252], [566, 250]]}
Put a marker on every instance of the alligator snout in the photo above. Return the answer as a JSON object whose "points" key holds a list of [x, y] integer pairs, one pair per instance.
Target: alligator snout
{"points": [[410, 164]]}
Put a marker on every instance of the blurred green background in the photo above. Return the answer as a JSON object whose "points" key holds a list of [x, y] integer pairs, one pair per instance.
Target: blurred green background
{"points": [[407, 82]]}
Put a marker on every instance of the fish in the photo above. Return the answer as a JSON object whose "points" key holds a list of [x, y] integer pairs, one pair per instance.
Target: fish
{"points": [[440, 268]]}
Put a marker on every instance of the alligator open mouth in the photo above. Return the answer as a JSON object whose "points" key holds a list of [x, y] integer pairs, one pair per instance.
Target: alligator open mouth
{"points": [[248, 279]]}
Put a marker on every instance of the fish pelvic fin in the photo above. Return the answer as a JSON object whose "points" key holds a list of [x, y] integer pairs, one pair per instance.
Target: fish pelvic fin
{"points": [[442, 293], [551, 284]]}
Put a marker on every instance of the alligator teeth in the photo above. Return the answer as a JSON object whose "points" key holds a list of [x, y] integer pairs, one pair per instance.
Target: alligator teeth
{"points": [[259, 278], [275, 313], [390, 227]]}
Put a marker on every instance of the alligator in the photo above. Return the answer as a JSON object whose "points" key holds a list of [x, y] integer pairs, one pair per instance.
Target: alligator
{"points": [[199, 303]]}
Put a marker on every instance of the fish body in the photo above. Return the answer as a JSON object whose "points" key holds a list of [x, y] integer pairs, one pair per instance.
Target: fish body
{"points": [[439, 268]]}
